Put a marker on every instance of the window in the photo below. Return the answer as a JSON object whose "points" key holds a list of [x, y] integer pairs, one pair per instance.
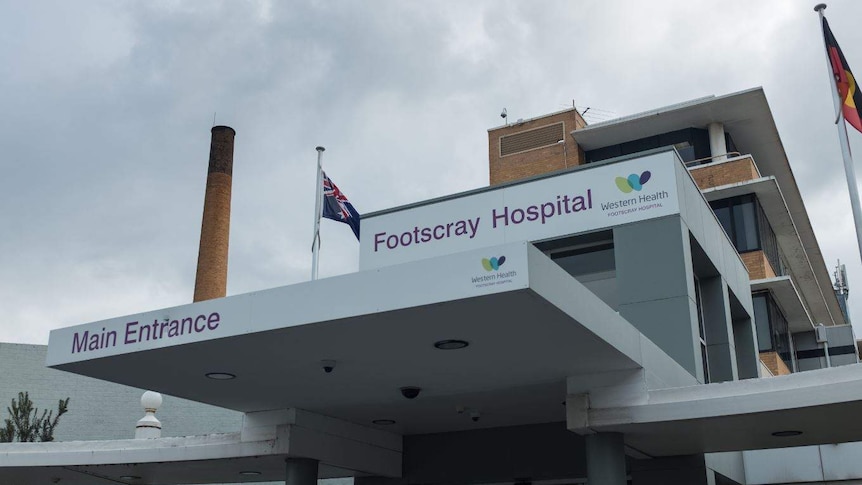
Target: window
{"points": [[691, 143], [686, 151], [704, 354], [745, 223], [593, 259], [772, 333]]}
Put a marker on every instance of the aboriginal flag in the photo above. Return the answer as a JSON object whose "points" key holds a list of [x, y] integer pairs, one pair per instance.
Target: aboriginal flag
{"points": [[848, 91]]}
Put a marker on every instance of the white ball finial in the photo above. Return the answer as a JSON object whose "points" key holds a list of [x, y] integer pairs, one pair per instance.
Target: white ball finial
{"points": [[149, 426], [151, 400]]}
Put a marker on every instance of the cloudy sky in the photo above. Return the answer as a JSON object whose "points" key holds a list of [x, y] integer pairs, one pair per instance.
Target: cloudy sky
{"points": [[106, 106]]}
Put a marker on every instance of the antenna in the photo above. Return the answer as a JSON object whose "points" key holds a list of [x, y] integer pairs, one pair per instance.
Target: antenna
{"points": [[841, 284], [214, 113]]}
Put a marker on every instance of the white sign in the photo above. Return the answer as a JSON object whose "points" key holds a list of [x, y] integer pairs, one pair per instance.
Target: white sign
{"points": [[467, 274], [584, 200]]}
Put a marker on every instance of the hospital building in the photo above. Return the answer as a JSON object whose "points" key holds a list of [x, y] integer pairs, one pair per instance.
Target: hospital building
{"points": [[641, 300]]}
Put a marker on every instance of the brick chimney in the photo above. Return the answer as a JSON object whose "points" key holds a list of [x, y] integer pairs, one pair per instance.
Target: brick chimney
{"points": [[211, 277]]}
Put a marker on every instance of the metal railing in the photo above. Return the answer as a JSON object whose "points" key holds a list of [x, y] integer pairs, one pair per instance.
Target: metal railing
{"points": [[699, 160]]}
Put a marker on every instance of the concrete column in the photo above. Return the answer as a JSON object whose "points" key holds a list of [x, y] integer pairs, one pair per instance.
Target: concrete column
{"points": [[211, 277], [717, 143], [747, 356], [606, 459], [656, 287], [690, 470], [300, 471], [720, 345]]}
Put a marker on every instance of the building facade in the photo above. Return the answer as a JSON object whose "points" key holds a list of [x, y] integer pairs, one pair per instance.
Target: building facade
{"points": [[638, 301]]}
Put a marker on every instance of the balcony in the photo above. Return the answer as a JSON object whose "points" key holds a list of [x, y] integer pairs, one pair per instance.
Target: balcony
{"points": [[758, 265], [788, 237], [738, 168]]}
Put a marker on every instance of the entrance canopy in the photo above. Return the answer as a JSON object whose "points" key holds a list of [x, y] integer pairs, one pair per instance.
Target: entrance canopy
{"points": [[529, 326], [540, 348]]}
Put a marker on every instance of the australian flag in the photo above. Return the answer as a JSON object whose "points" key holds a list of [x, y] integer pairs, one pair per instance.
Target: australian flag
{"points": [[337, 207]]}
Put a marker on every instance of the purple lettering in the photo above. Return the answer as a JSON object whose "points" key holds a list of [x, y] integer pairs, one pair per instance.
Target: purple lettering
{"points": [[392, 245], [504, 216], [131, 333], [198, 319], [426, 234], [517, 216], [547, 211], [566, 204], [377, 240], [109, 339], [79, 345], [94, 342], [409, 239], [213, 321], [183, 324]]}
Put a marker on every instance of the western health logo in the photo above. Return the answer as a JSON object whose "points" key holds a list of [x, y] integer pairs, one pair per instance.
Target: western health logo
{"points": [[493, 264], [632, 182]]}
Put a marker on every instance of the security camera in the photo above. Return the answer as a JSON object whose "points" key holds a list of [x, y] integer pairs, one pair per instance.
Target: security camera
{"points": [[328, 365], [411, 392], [504, 114], [474, 415]]}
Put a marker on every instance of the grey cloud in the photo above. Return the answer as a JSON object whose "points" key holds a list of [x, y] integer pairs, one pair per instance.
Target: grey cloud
{"points": [[106, 115]]}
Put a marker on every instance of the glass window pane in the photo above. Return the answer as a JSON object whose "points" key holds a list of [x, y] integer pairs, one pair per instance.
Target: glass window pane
{"points": [[705, 359], [780, 335], [699, 304], [685, 150], [723, 215], [761, 322], [595, 259], [745, 225]]}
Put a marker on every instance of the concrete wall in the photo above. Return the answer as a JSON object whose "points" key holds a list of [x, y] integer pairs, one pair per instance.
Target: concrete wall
{"points": [[810, 354], [824, 464], [656, 262], [99, 410], [656, 287], [841, 341], [604, 286], [716, 255]]}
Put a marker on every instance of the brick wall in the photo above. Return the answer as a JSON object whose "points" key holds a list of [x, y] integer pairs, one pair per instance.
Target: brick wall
{"points": [[758, 266], [724, 173], [536, 161], [775, 363]]}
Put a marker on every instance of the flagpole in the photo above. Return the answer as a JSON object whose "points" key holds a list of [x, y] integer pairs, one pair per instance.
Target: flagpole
{"points": [[318, 202], [849, 170]]}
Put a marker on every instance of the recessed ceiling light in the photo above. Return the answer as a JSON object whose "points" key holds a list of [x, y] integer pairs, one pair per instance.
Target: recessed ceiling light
{"points": [[221, 376], [785, 434], [451, 344], [130, 477], [383, 422], [249, 472]]}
